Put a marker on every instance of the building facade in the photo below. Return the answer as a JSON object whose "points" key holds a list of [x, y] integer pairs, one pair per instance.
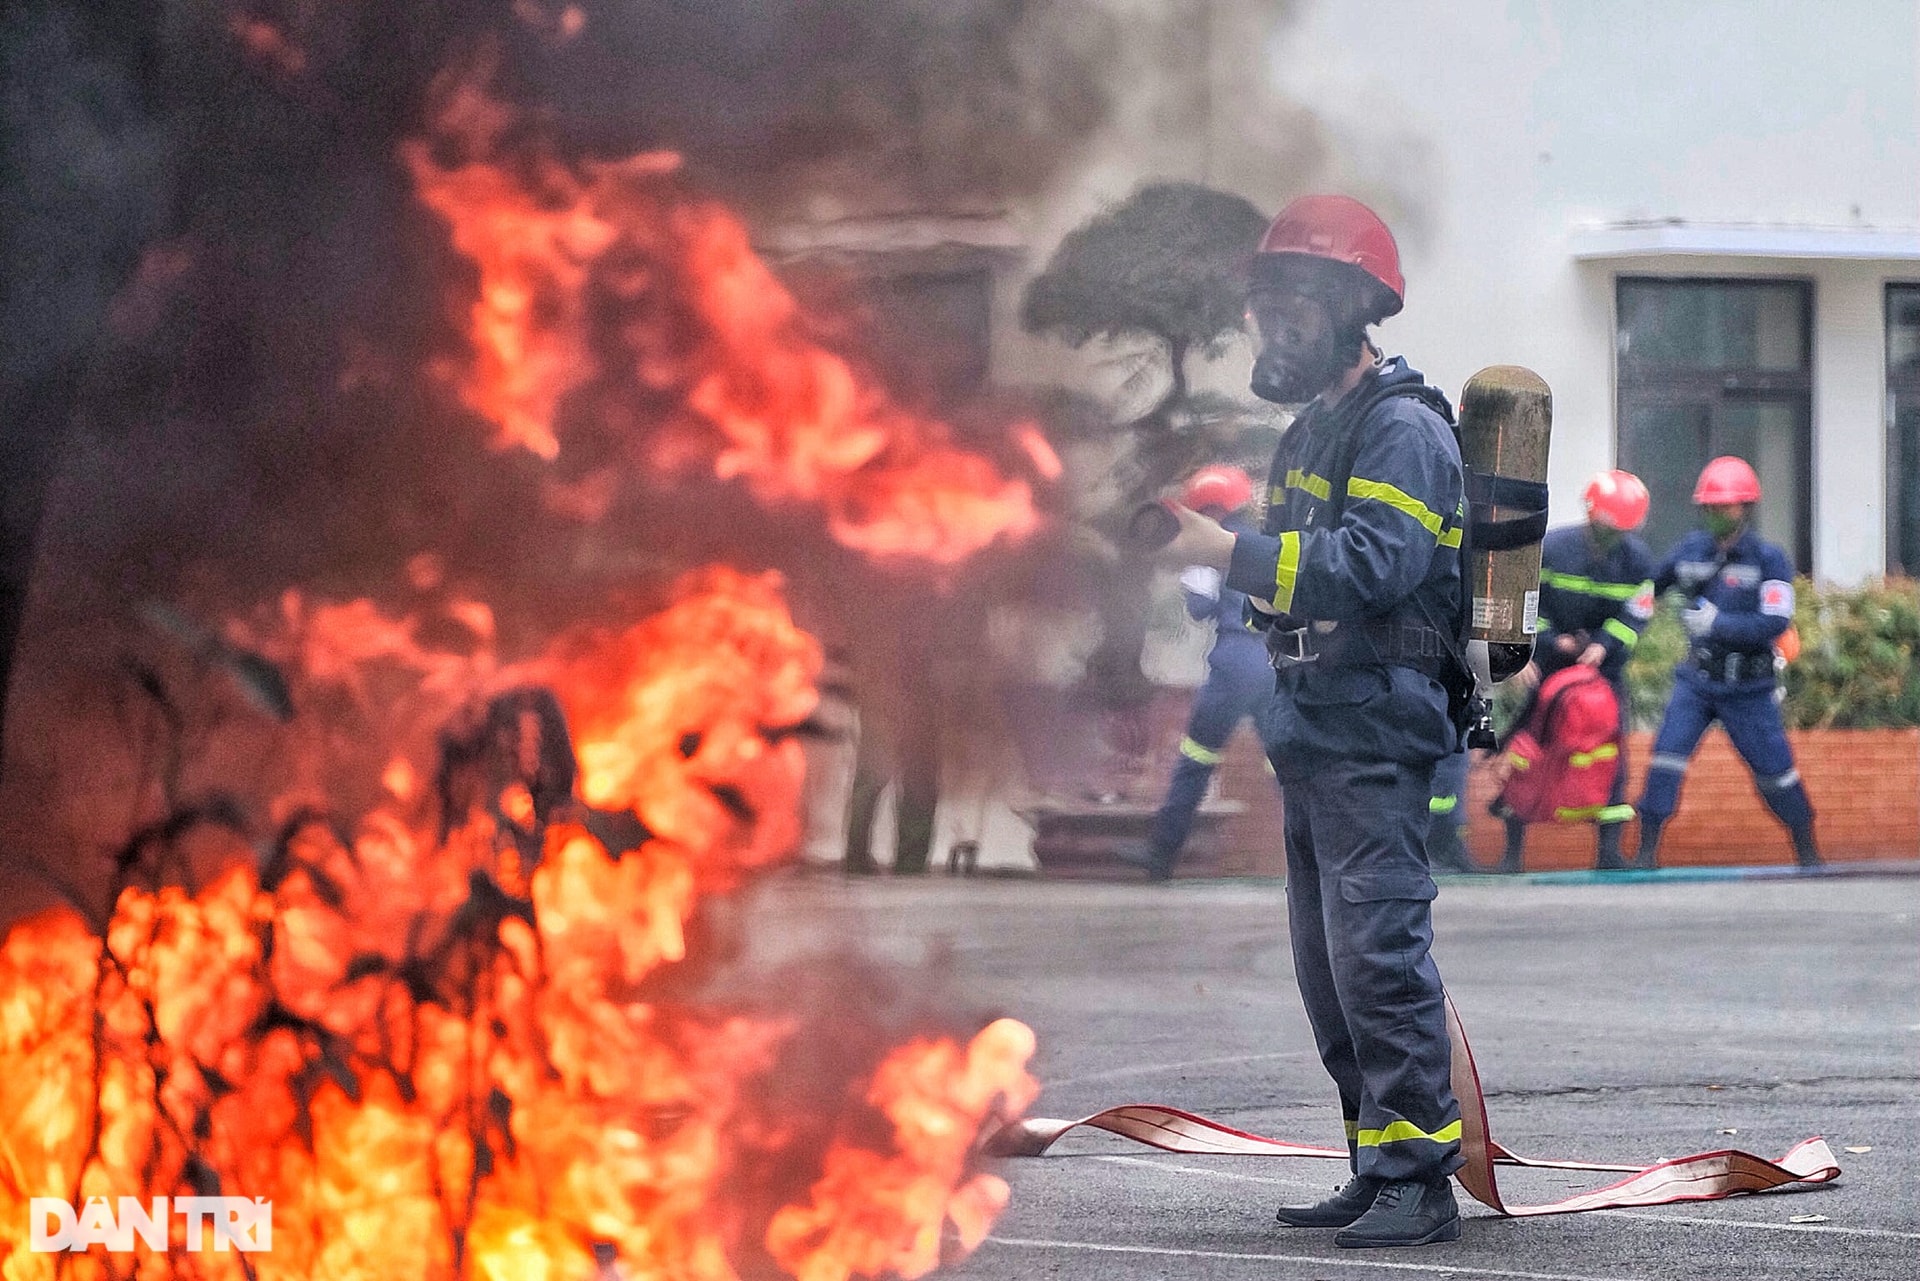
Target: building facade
{"points": [[1699, 221]]}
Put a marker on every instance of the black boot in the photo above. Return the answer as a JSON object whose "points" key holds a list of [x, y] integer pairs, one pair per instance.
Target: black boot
{"points": [[1338, 1210], [1649, 857], [1406, 1212], [1607, 854], [1156, 863], [1803, 847], [1511, 858]]}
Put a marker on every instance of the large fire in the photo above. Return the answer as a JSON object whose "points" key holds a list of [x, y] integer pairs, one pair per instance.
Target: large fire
{"points": [[575, 262], [437, 1060], [444, 1036]]}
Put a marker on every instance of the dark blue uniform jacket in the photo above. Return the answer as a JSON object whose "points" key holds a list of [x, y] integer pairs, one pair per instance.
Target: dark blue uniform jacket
{"points": [[1390, 550], [1608, 596], [1752, 589]]}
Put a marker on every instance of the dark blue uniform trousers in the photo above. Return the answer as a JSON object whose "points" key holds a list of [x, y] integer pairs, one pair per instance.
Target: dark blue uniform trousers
{"points": [[1233, 691], [1752, 720], [1358, 899]]}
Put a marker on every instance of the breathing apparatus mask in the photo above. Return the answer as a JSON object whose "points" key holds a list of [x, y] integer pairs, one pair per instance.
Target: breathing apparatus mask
{"points": [[1723, 521], [1308, 323]]}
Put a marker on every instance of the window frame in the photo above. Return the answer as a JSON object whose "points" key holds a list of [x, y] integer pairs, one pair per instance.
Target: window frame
{"points": [[1899, 384], [1637, 385]]}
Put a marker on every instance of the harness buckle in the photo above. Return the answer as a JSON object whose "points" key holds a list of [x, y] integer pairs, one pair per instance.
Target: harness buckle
{"points": [[1288, 648]]}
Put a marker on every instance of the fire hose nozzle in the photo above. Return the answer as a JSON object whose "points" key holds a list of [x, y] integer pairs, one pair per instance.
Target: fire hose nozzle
{"points": [[1152, 525]]}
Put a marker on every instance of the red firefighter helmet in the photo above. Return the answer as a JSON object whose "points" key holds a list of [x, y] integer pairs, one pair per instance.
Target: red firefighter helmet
{"points": [[1338, 229], [1616, 499], [1727, 480], [1227, 488]]}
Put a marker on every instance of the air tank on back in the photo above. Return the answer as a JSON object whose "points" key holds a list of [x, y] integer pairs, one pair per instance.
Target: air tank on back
{"points": [[1506, 423]]}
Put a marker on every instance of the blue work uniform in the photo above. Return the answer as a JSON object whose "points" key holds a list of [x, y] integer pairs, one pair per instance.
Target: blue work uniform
{"points": [[1359, 568], [1728, 676], [1239, 683], [1595, 595]]}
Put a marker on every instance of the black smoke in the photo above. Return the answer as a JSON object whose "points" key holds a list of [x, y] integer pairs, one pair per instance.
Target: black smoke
{"points": [[230, 299]]}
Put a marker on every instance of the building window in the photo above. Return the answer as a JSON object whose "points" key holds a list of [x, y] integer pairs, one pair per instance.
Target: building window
{"points": [[1711, 367], [1903, 429]]}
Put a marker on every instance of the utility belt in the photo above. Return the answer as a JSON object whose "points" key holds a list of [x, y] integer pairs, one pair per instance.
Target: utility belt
{"points": [[1732, 667], [1382, 643]]}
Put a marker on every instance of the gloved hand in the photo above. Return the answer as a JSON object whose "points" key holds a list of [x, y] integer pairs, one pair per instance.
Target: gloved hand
{"points": [[1699, 620], [1201, 581]]}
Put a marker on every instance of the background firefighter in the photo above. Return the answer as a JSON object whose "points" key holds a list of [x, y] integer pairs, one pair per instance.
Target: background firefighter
{"points": [[1739, 589], [1239, 679], [1596, 596], [1355, 574]]}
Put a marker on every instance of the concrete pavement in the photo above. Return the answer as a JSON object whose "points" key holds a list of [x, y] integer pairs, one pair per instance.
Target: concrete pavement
{"points": [[1610, 1021]]}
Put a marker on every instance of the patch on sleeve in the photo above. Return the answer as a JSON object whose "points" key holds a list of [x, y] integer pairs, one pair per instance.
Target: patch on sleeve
{"points": [[1640, 605], [1776, 598]]}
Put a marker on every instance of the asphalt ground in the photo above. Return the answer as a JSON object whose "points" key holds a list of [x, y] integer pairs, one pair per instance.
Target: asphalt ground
{"points": [[1625, 1021]]}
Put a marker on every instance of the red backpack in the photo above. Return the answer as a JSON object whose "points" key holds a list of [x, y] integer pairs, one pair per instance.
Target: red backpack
{"points": [[1562, 760]]}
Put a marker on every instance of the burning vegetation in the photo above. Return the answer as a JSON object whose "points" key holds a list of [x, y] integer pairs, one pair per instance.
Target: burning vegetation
{"points": [[454, 1018], [439, 1055]]}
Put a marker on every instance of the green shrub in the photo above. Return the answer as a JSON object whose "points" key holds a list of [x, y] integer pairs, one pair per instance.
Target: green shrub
{"points": [[1859, 665], [1650, 670]]}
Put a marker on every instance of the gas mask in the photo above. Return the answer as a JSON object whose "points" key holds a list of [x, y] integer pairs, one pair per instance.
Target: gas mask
{"points": [[1294, 375], [1605, 537], [1720, 522], [1301, 352]]}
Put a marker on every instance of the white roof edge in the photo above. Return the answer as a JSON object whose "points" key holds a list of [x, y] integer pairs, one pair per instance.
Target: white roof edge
{"points": [[1652, 240]]}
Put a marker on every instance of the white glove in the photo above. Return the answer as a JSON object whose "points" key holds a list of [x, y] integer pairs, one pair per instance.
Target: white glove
{"points": [[1699, 619], [1201, 581]]}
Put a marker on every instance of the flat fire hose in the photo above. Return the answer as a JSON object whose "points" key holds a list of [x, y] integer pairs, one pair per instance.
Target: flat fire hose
{"points": [[1705, 1176]]}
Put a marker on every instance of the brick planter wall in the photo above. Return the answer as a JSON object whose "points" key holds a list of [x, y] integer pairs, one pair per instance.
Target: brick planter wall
{"points": [[1864, 783], [1865, 786]]}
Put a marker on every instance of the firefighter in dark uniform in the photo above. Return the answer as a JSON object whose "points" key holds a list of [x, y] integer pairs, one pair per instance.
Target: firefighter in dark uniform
{"points": [[1239, 678], [1739, 590], [1447, 816], [1596, 596], [1356, 576]]}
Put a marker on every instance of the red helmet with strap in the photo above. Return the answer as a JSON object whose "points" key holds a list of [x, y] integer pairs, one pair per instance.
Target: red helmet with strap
{"points": [[1616, 499], [1337, 229], [1227, 488], [1727, 480]]}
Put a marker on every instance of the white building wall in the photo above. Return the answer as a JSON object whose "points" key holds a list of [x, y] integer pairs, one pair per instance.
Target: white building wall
{"points": [[1491, 133]]}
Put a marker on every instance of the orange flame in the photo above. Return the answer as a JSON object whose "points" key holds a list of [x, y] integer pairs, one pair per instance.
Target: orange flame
{"points": [[429, 1077], [701, 320]]}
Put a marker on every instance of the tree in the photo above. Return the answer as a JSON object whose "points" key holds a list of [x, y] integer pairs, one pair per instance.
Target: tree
{"points": [[1168, 264]]}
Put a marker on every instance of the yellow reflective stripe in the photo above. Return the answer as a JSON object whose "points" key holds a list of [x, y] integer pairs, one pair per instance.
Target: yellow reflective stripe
{"points": [[1400, 1131], [1353, 1129], [1195, 752], [1598, 813], [1621, 632], [1319, 486], [1604, 752], [1285, 570], [1276, 496], [1442, 804], [1518, 761], [1588, 586], [1400, 500]]}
